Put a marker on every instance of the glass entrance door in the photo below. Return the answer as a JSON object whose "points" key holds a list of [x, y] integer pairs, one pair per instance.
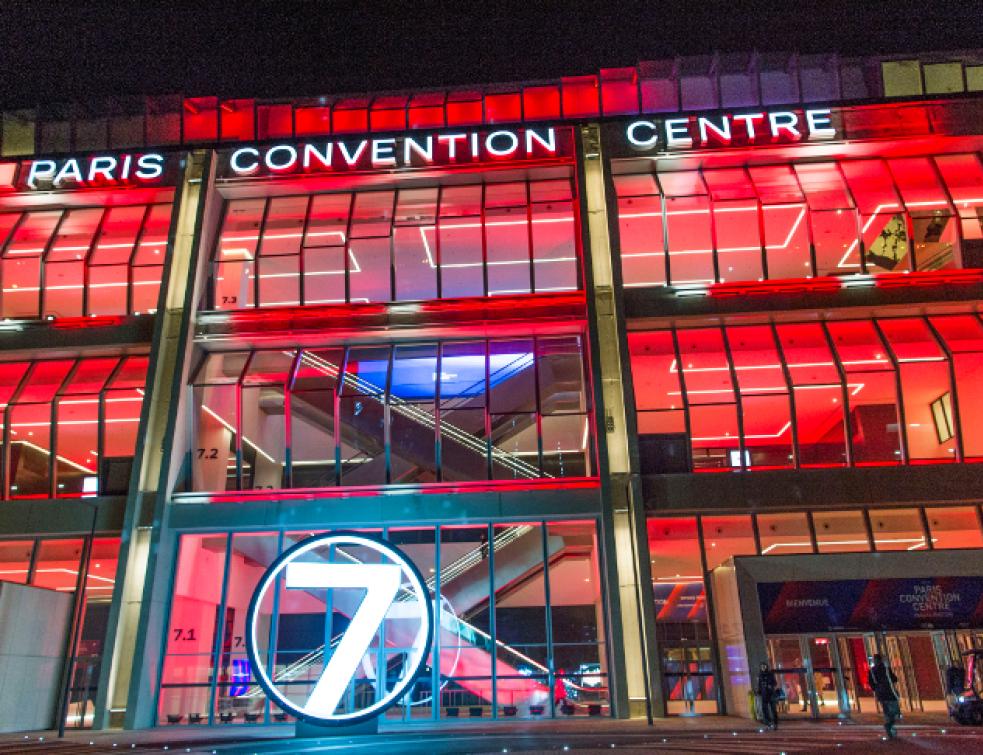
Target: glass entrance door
{"points": [[809, 670]]}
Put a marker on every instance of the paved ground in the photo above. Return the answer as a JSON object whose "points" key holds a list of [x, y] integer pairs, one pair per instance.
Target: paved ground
{"points": [[924, 736]]}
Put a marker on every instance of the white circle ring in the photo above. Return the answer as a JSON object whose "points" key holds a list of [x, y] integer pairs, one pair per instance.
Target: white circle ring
{"points": [[417, 654]]}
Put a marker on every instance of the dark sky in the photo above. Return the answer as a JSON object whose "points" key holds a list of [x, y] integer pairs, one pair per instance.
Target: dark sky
{"points": [[75, 49]]}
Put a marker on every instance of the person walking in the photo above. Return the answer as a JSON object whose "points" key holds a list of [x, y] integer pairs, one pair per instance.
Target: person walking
{"points": [[882, 680], [768, 691]]}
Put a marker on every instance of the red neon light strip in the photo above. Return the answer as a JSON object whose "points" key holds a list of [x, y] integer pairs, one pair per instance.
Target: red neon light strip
{"points": [[834, 283]]}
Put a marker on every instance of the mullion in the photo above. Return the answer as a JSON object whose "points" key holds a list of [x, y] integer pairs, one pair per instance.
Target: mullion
{"points": [[133, 253]]}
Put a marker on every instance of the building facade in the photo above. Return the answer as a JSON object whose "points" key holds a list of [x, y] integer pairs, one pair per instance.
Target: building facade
{"points": [[644, 370]]}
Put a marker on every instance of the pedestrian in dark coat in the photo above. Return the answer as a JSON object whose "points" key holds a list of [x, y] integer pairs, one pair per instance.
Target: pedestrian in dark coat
{"points": [[882, 680]]}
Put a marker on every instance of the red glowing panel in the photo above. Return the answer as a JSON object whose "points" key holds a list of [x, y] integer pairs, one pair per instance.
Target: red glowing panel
{"points": [[541, 103], [90, 375], [503, 108], [464, 108], [963, 175], [237, 120], [426, 110], [201, 119], [871, 185], [44, 380], [274, 121], [312, 121], [388, 114], [911, 340], [580, 96], [351, 116], [919, 184], [11, 374], [74, 235], [776, 184], [654, 372], [823, 185], [619, 91], [729, 183]]}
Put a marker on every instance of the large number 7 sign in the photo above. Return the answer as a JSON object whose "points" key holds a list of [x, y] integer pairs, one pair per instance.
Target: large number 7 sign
{"points": [[386, 597]]}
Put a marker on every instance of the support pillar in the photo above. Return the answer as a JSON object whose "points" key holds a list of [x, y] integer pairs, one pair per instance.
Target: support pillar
{"points": [[637, 689]]}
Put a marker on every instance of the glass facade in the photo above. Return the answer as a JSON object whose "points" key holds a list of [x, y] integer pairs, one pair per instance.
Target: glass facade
{"points": [[412, 244], [798, 220], [82, 261], [808, 394], [450, 411], [520, 625], [70, 425]]}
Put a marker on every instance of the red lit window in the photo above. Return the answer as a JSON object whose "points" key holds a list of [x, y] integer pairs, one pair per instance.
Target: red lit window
{"points": [[963, 336], [464, 108], [274, 121], [619, 91], [237, 120], [884, 232], [541, 103], [388, 114], [580, 96], [503, 108], [933, 222], [659, 401], [640, 230], [426, 110], [351, 116], [312, 121], [201, 119], [963, 175]]}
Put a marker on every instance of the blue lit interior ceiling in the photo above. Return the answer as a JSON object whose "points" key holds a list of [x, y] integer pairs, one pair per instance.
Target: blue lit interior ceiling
{"points": [[415, 378]]}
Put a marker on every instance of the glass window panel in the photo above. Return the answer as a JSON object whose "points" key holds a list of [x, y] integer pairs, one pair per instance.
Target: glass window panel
{"points": [[57, 564], [840, 531], [655, 374], [786, 239], [221, 367], [463, 439], [738, 240], [414, 374], [886, 242], [366, 371], [74, 236], [683, 183], [11, 374], [674, 550], [284, 225], [236, 251], [121, 412], [153, 237], [460, 240], [107, 289], [507, 248], [76, 462], [30, 450], [328, 223], [146, 288], [415, 264], [784, 534], [872, 392], [117, 235], [515, 446], [361, 422], [706, 370], [264, 433], [640, 235], [776, 184], [834, 236], [919, 183], [551, 191], [576, 615], [964, 336], [897, 529], [462, 375], [312, 419], [416, 206], [566, 446], [963, 175], [690, 240], [279, 281], [955, 527], [554, 246], [505, 195], [715, 437], [512, 376], [729, 183], [460, 201], [64, 285], [249, 556], [561, 376], [871, 185], [823, 185], [46, 377], [369, 270], [15, 560], [32, 235], [935, 238], [725, 537], [373, 214], [90, 375], [213, 456], [272, 367], [635, 184], [413, 442], [7, 222], [324, 275], [193, 627], [21, 278]]}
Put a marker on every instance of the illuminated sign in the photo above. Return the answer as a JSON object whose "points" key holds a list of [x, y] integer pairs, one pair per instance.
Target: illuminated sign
{"points": [[731, 129], [126, 169], [389, 617], [406, 151]]}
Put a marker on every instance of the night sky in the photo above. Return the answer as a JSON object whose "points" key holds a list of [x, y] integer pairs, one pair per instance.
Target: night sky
{"points": [[54, 52]]}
